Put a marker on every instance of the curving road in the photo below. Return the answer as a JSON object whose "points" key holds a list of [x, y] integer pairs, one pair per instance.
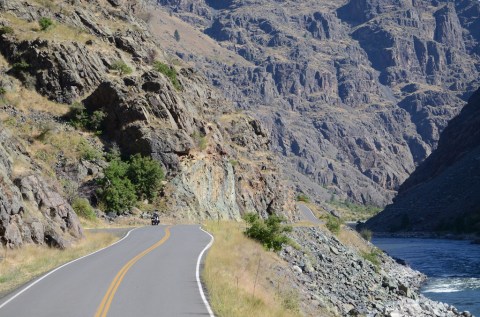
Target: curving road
{"points": [[151, 272], [307, 214]]}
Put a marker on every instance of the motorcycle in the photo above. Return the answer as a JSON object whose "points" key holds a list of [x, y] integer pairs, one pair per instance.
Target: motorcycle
{"points": [[155, 221]]}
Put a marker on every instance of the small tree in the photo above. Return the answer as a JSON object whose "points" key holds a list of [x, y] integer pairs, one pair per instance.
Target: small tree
{"points": [[146, 174], [45, 23], [269, 232], [117, 191], [176, 35], [121, 67]]}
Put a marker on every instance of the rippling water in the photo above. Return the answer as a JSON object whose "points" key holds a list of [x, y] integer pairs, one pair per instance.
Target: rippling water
{"points": [[452, 267]]}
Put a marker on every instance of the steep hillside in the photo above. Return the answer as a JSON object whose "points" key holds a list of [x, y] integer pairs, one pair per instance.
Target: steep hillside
{"points": [[355, 93], [60, 56], [442, 193]]}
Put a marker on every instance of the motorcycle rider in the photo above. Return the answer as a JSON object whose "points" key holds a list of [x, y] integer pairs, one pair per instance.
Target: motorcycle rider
{"points": [[155, 217]]}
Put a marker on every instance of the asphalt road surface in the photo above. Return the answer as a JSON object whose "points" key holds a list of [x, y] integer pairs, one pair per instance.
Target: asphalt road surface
{"points": [[151, 272], [307, 214]]}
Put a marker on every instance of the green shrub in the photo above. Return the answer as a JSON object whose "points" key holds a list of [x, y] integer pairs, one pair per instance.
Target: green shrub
{"points": [[233, 162], [269, 232], [3, 91], [333, 224], [88, 152], [168, 71], [96, 120], [176, 35], [372, 256], [146, 174], [80, 119], [45, 23], [6, 30], [124, 183], [366, 234], [21, 66], [303, 197], [200, 140], [78, 116], [121, 67], [83, 209], [117, 191]]}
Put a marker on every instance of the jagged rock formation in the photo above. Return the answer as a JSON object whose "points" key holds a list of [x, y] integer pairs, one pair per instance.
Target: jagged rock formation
{"points": [[218, 163], [31, 210], [442, 193], [355, 94]]}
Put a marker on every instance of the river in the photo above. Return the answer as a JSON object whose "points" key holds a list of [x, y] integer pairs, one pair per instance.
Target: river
{"points": [[452, 267]]}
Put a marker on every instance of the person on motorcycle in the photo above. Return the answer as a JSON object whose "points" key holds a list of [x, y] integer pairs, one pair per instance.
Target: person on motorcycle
{"points": [[155, 218]]}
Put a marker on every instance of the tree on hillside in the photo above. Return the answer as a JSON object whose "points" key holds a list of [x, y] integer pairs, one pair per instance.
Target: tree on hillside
{"points": [[176, 35], [146, 174]]}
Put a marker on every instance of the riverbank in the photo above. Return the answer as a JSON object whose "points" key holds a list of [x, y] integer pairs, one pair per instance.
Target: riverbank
{"points": [[452, 268]]}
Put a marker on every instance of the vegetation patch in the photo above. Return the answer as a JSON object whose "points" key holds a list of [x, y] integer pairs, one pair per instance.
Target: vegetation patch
{"points": [[168, 71], [121, 68], [200, 140], [354, 212], [243, 279], [80, 119], [366, 234], [304, 198], [127, 182], [45, 23], [269, 232], [83, 208], [373, 256], [333, 224], [6, 30]]}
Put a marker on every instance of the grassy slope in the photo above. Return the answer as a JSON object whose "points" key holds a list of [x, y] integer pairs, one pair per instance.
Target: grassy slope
{"points": [[231, 271], [230, 274]]}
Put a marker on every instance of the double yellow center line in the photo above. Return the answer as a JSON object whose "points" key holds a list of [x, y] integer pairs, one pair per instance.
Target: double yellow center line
{"points": [[104, 307]]}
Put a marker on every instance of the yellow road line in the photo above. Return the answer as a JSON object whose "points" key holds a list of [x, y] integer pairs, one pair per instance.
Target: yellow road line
{"points": [[104, 307]]}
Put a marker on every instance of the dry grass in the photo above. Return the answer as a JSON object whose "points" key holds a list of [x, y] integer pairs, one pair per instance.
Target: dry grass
{"points": [[230, 274], [353, 239], [27, 100], [25, 30], [3, 61], [22, 265]]}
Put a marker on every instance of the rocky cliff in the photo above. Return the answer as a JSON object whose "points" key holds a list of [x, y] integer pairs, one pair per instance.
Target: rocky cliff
{"points": [[31, 209], [355, 93], [218, 162], [442, 193]]}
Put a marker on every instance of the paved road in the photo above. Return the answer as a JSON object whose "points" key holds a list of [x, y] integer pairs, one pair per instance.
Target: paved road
{"points": [[307, 214], [152, 272]]}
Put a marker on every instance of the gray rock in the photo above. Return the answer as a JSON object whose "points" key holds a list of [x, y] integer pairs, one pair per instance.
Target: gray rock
{"points": [[355, 94]]}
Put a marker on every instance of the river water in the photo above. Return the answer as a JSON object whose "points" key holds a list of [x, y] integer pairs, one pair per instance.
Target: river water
{"points": [[452, 267]]}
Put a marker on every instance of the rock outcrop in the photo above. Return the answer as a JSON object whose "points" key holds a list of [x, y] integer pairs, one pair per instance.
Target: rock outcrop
{"points": [[31, 209], [355, 94], [336, 277], [442, 194], [217, 162]]}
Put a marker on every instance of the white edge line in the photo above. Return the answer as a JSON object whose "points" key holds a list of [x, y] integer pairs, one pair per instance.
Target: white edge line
{"points": [[200, 288], [311, 212], [60, 267]]}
